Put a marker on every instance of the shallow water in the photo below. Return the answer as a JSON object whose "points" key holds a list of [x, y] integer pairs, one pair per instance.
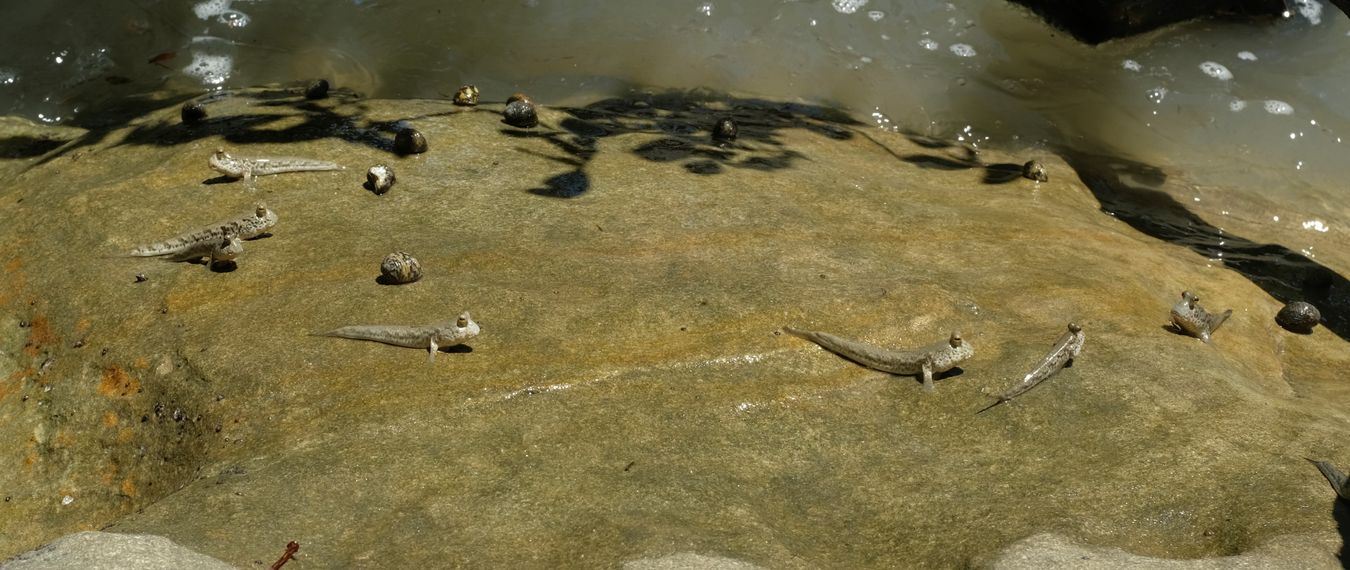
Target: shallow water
{"points": [[1242, 123]]}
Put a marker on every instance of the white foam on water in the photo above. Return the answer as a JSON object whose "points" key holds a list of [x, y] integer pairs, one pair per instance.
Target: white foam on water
{"points": [[1315, 225], [1237, 105], [962, 50], [1156, 94], [1216, 70], [1131, 65], [1275, 107], [848, 6], [210, 69], [876, 15], [706, 9], [205, 10], [1246, 56], [929, 44], [1310, 9]]}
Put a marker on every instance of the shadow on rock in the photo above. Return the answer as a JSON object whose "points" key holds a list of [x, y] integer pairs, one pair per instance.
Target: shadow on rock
{"points": [[1131, 192], [949, 156]]}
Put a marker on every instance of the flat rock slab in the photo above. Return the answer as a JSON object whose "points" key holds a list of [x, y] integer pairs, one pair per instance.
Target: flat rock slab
{"points": [[631, 396], [110, 551]]}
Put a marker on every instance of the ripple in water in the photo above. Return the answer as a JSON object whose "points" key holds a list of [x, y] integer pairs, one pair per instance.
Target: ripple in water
{"points": [[963, 50]]}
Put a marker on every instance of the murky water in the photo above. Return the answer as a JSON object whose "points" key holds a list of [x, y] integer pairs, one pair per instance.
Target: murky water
{"points": [[1248, 119]]}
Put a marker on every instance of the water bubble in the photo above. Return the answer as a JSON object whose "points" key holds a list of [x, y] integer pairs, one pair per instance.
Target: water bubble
{"points": [[876, 15], [1246, 56], [1278, 107], [706, 9], [962, 50], [1156, 94], [1131, 65], [1315, 225], [8, 77], [1216, 70], [66, 500], [1237, 105], [848, 6], [929, 44]]}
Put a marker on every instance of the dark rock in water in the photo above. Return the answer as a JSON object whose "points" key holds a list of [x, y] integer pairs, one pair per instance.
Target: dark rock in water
{"points": [[1298, 317], [520, 113], [410, 141], [1096, 21], [1034, 170], [379, 179], [193, 112], [317, 89], [725, 130]]}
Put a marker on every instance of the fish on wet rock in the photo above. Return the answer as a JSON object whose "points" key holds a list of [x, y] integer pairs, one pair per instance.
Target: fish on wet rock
{"points": [[218, 242], [925, 361], [429, 337], [1190, 318], [247, 168], [1065, 350]]}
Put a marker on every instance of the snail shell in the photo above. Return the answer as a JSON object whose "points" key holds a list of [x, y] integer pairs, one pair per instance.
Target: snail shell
{"points": [[1299, 317], [725, 130], [193, 112], [317, 89], [380, 178], [467, 96], [1033, 170], [518, 97], [410, 141], [399, 267], [520, 113]]}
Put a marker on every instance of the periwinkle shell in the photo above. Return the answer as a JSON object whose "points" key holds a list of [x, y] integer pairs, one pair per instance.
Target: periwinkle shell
{"points": [[410, 141], [317, 89], [1299, 317], [193, 112], [1034, 170], [399, 267], [380, 178], [520, 113], [725, 129], [467, 96]]}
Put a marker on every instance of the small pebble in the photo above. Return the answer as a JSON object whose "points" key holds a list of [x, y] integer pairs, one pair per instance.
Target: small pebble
{"points": [[379, 179], [410, 141], [1299, 317], [141, 278], [399, 267], [193, 112], [1033, 170], [520, 113], [467, 96], [317, 90], [725, 130]]}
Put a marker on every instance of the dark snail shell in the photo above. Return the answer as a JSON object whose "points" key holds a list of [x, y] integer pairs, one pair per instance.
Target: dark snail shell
{"points": [[518, 97], [410, 141], [193, 112], [725, 130], [318, 89], [467, 96], [520, 113], [1034, 170], [399, 267], [1299, 317], [379, 179]]}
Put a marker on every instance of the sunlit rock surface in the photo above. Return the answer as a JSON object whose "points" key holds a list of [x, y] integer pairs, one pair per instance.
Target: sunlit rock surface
{"points": [[109, 551], [630, 397]]}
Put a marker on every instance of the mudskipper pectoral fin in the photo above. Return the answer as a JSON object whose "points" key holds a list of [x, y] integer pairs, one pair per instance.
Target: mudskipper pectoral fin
{"points": [[927, 376], [1333, 475], [431, 350]]}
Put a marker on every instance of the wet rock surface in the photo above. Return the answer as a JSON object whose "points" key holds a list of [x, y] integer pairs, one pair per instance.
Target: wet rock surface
{"points": [[109, 551], [630, 397]]}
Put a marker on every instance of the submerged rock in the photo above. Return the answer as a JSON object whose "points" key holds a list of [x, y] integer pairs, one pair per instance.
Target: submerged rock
{"points": [[1096, 21]]}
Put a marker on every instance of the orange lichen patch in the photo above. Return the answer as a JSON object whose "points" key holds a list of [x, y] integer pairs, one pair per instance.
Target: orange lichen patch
{"points": [[63, 439], [11, 385], [117, 383], [129, 487], [13, 265], [39, 335], [82, 326], [109, 419], [30, 455], [124, 434], [140, 363]]}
